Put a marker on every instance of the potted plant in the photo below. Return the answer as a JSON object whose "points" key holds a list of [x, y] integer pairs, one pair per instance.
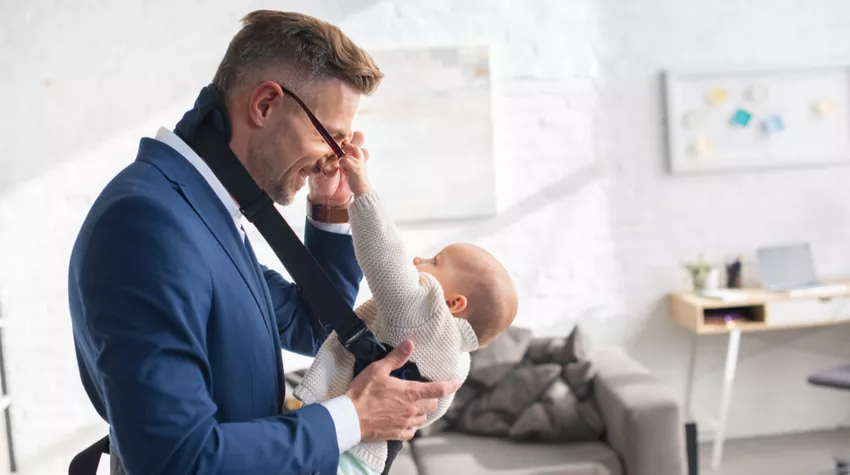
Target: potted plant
{"points": [[699, 271]]}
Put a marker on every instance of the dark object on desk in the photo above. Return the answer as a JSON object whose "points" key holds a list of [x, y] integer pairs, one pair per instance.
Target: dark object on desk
{"points": [[838, 378], [724, 316], [733, 274]]}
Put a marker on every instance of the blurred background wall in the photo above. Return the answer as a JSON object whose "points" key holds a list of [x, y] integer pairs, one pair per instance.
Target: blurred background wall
{"points": [[590, 224]]}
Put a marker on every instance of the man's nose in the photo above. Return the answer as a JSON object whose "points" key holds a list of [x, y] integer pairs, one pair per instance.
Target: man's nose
{"points": [[417, 261]]}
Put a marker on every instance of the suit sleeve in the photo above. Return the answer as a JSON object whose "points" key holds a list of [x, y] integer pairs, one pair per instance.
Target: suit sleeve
{"points": [[335, 253], [300, 330], [147, 292]]}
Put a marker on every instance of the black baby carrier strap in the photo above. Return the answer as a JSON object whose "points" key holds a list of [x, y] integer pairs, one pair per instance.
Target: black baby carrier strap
{"points": [[313, 283], [208, 135], [86, 462]]}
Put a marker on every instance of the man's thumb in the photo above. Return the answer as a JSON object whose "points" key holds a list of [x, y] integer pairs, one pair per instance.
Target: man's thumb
{"points": [[400, 354]]}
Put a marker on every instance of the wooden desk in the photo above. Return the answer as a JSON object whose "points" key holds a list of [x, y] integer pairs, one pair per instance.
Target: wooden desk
{"points": [[764, 311]]}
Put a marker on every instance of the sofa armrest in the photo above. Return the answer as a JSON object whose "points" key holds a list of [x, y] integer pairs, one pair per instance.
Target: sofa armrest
{"points": [[642, 418]]}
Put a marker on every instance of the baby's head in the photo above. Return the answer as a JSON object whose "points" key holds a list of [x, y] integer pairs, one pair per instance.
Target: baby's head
{"points": [[476, 286]]}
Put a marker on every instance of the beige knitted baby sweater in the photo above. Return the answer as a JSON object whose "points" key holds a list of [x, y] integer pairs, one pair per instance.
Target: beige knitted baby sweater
{"points": [[405, 304]]}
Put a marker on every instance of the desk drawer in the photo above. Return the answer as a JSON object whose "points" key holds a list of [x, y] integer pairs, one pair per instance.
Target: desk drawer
{"points": [[803, 311]]}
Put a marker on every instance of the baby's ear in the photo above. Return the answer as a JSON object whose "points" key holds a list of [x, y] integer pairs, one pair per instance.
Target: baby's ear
{"points": [[456, 304]]}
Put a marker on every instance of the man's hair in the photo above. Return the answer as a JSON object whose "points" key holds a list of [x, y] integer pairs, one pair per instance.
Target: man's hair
{"points": [[293, 47]]}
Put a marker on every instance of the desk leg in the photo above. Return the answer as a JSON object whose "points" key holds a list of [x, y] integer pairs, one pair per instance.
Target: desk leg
{"points": [[689, 388], [726, 397]]}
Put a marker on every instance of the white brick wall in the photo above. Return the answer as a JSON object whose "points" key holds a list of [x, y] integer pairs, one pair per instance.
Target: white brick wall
{"points": [[591, 227]]}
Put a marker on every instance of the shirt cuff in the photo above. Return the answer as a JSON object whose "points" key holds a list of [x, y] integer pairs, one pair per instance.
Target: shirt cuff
{"points": [[346, 422], [336, 228]]}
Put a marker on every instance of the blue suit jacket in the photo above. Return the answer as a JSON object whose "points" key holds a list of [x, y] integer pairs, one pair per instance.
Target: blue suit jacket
{"points": [[178, 329]]}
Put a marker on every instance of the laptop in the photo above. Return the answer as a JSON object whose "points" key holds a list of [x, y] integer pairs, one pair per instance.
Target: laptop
{"points": [[789, 268]]}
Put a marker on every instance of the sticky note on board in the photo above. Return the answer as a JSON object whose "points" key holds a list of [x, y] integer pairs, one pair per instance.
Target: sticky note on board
{"points": [[773, 124], [824, 107], [741, 118], [693, 119], [758, 93], [717, 96], [702, 146]]}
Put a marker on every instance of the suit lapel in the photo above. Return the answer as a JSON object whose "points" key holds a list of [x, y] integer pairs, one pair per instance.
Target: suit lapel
{"points": [[255, 263], [212, 212]]}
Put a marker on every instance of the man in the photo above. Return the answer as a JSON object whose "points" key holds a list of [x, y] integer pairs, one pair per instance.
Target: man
{"points": [[178, 329]]}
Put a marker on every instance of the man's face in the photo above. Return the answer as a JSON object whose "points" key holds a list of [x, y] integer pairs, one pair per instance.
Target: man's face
{"points": [[285, 148]]}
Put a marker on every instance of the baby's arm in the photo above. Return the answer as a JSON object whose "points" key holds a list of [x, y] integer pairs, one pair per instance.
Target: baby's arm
{"points": [[389, 271], [380, 251]]}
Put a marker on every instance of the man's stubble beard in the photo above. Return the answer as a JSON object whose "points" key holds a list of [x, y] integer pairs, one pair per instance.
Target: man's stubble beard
{"points": [[262, 164]]}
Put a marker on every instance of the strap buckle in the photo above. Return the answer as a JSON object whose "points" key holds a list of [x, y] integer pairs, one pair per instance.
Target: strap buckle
{"points": [[366, 349], [365, 346]]}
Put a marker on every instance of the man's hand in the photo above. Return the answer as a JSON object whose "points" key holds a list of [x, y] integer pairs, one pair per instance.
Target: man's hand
{"points": [[353, 166], [389, 408], [330, 187]]}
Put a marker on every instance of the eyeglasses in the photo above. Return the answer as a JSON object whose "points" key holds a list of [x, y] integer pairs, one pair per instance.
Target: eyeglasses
{"points": [[318, 125]]}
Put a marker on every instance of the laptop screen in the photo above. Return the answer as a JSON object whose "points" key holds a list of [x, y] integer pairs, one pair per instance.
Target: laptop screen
{"points": [[787, 267]]}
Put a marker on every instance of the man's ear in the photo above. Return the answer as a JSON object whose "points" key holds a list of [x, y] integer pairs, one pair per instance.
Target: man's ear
{"points": [[261, 100], [456, 303]]}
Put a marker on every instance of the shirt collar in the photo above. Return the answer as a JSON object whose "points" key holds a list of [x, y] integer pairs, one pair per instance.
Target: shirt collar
{"points": [[172, 140]]}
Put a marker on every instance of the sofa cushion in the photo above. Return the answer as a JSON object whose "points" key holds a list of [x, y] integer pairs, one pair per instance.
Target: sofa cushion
{"points": [[450, 453]]}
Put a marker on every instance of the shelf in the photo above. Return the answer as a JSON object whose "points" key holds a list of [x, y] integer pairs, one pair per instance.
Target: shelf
{"points": [[718, 329], [762, 311]]}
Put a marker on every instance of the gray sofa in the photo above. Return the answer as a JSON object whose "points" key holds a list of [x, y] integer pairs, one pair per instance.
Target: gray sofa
{"points": [[644, 436]]}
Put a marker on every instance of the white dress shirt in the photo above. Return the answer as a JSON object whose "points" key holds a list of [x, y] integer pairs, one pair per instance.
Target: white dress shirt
{"points": [[341, 409]]}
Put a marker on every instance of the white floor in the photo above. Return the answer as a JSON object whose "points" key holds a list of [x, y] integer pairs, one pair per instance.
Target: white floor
{"points": [[797, 454], [56, 462]]}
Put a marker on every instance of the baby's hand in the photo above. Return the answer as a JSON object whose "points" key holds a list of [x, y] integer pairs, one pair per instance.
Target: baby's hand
{"points": [[353, 164]]}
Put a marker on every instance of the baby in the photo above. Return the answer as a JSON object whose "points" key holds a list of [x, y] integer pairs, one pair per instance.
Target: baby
{"points": [[448, 305]]}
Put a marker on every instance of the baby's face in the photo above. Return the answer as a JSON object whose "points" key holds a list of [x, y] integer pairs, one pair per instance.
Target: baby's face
{"points": [[451, 265], [476, 287]]}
